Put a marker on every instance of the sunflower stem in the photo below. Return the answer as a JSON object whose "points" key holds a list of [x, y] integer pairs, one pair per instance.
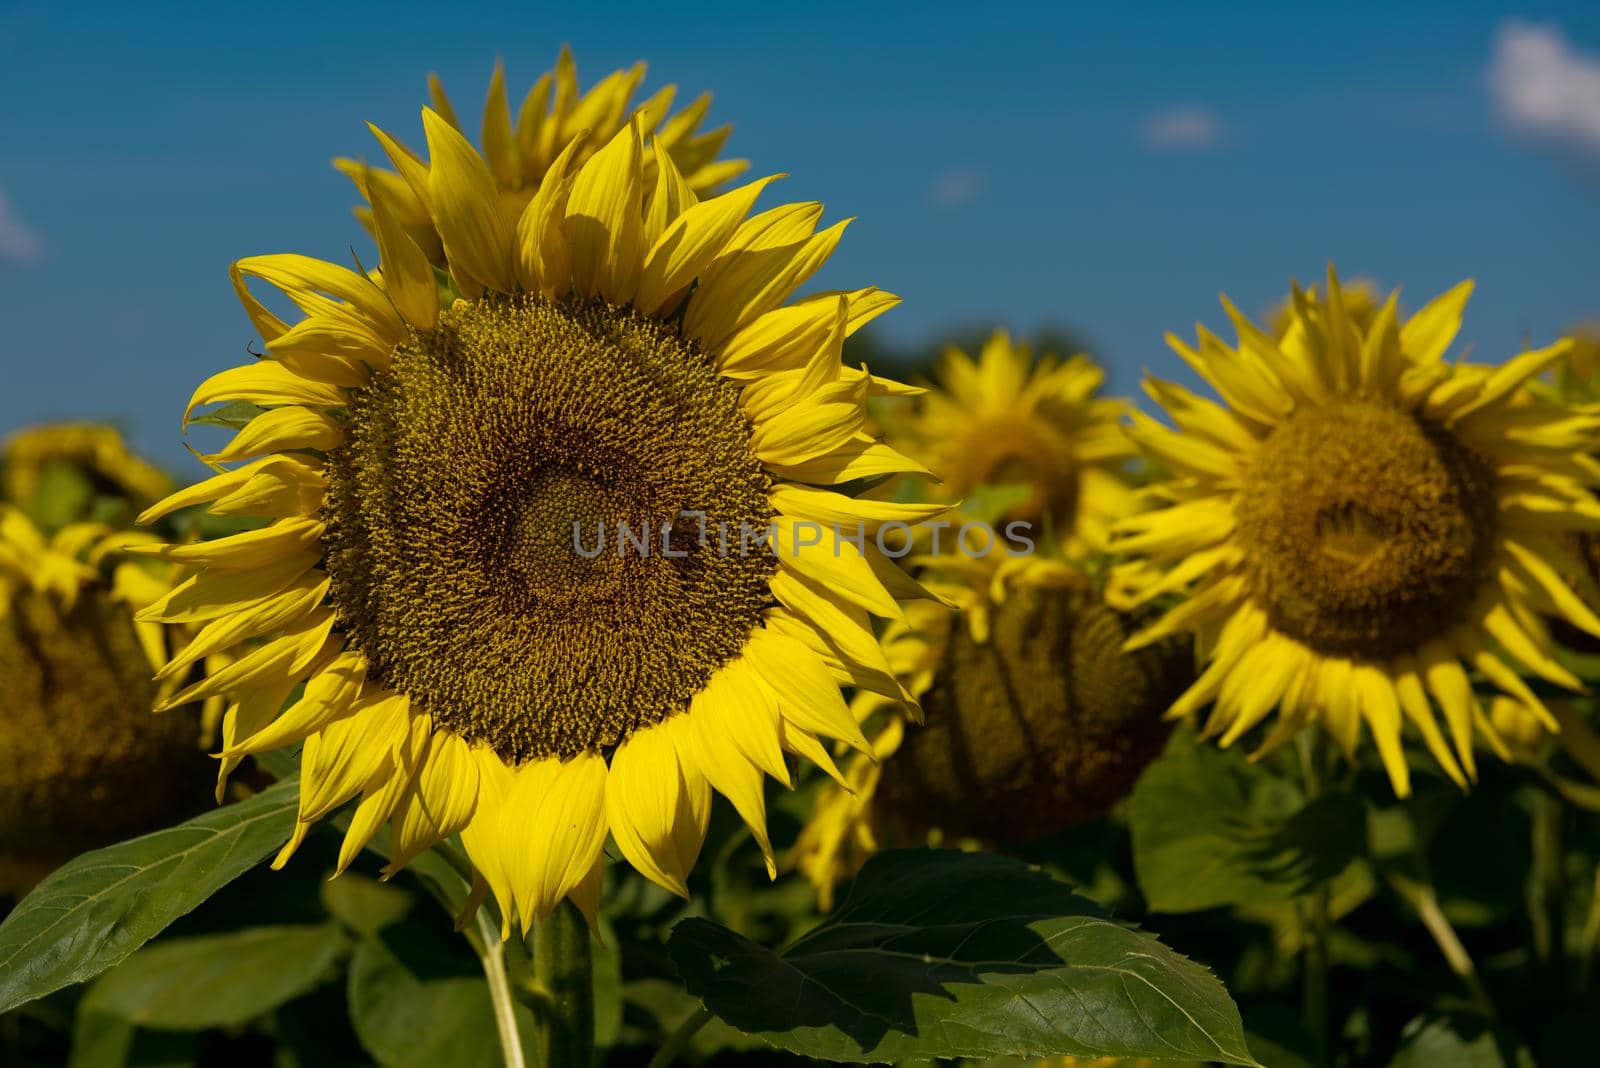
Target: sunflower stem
{"points": [[1589, 937], [493, 957], [1422, 897], [563, 969], [679, 1040], [1314, 981]]}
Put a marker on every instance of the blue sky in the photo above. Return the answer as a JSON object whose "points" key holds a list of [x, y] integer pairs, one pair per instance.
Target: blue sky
{"points": [[1112, 171]]}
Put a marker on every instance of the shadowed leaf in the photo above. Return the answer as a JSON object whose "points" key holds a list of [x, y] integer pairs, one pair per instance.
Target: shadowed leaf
{"points": [[945, 954]]}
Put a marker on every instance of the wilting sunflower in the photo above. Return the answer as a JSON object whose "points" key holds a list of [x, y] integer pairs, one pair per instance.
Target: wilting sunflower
{"points": [[78, 471], [1006, 419], [1359, 523], [82, 762], [508, 547], [521, 150], [1035, 719]]}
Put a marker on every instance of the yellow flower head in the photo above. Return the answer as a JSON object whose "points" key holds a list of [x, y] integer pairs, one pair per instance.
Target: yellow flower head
{"points": [[554, 115], [1035, 719], [40, 461], [516, 548], [1006, 419], [1358, 523], [82, 762]]}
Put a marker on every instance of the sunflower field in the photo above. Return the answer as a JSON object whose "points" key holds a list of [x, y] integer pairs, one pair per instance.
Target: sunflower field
{"points": [[578, 638]]}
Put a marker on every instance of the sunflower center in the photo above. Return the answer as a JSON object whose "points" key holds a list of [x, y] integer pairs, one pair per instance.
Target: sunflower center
{"points": [[512, 534], [82, 762], [1017, 453], [1044, 726], [1366, 530]]}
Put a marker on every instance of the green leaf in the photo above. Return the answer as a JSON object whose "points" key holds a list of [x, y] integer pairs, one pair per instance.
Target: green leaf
{"points": [[98, 908], [1210, 829], [655, 1008], [63, 495], [101, 1041], [232, 415], [938, 953], [1463, 1043], [991, 503], [279, 763], [363, 904], [222, 980], [417, 1002]]}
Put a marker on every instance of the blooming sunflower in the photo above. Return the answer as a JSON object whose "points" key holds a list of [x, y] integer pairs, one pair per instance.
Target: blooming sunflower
{"points": [[553, 114], [1006, 419], [441, 484], [1035, 718], [1358, 523], [81, 762]]}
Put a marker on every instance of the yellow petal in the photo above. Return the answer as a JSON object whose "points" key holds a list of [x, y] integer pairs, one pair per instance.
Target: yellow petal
{"points": [[499, 148], [670, 197], [466, 210], [743, 284], [216, 593], [281, 658], [481, 836], [657, 808], [786, 337], [440, 802], [687, 246], [806, 432], [247, 550], [552, 828], [730, 771], [296, 274], [328, 695], [280, 612], [855, 459], [820, 553], [1428, 333], [352, 754], [407, 274], [248, 714], [264, 382], [807, 696], [544, 263], [282, 430], [604, 222]]}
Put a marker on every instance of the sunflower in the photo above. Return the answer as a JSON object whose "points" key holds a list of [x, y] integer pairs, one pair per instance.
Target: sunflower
{"points": [[551, 117], [1008, 420], [550, 560], [81, 762], [1358, 523], [1035, 719], [71, 471]]}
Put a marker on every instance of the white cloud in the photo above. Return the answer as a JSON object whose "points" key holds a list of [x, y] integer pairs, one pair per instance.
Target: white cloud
{"points": [[956, 187], [18, 243], [1545, 87], [1190, 128]]}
